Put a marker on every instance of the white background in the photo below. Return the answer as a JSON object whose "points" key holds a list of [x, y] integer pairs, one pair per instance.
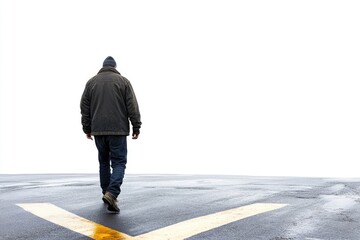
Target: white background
{"points": [[224, 87]]}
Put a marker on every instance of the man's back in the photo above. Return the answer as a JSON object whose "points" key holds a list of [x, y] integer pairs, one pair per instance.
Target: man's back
{"points": [[110, 102]]}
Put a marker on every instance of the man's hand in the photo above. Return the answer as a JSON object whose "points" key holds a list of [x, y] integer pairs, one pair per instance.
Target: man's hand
{"points": [[88, 135], [135, 135]]}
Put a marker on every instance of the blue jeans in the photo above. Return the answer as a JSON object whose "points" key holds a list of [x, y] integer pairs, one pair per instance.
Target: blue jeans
{"points": [[112, 150]]}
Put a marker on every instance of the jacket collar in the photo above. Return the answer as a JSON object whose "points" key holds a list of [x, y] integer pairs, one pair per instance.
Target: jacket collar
{"points": [[108, 69]]}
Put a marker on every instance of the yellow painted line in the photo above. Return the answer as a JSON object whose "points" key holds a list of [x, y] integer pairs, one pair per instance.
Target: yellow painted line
{"points": [[73, 222], [198, 225], [177, 231]]}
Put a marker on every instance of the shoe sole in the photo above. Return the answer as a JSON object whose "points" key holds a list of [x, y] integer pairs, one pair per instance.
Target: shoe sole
{"points": [[111, 204]]}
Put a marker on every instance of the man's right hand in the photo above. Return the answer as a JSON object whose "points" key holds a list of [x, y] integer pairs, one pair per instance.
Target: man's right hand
{"points": [[135, 135]]}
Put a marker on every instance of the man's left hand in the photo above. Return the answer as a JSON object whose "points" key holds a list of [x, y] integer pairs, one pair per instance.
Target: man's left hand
{"points": [[88, 135]]}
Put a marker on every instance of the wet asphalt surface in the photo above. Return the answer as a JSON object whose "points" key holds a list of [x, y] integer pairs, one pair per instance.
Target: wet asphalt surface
{"points": [[318, 209]]}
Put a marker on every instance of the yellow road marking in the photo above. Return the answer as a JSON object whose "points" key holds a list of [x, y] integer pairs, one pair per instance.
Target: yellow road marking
{"points": [[198, 225], [73, 222], [177, 231]]}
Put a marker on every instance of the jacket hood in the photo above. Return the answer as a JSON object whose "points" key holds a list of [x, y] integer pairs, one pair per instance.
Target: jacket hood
{"points": [[108, 69]]}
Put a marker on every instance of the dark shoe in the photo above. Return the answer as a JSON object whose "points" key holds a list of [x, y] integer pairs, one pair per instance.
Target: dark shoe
{"points": [[110, 200]]}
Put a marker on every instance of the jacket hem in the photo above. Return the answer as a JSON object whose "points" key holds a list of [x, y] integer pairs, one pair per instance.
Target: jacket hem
{"points": [[110, 133]]}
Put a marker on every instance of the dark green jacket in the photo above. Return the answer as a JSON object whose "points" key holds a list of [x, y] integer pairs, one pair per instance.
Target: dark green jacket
{"points": [[108, 103]]}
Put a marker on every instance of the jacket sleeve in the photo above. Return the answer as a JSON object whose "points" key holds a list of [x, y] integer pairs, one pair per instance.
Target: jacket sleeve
{"points": [[85, 110], [133, 109]]}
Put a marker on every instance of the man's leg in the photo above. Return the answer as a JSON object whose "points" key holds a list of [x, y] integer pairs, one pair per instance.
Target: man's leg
{"points": [[118, 157], [104, 162]]}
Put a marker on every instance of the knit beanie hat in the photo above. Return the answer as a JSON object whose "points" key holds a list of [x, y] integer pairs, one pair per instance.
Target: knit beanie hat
{"points": [[109, 61]]}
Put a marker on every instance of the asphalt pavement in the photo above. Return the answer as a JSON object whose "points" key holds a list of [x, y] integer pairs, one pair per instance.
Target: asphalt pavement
{"points": [[181, 207]]}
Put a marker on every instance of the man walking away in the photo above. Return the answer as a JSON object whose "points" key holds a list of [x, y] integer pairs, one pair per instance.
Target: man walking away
{"points": [[107, 104]]}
